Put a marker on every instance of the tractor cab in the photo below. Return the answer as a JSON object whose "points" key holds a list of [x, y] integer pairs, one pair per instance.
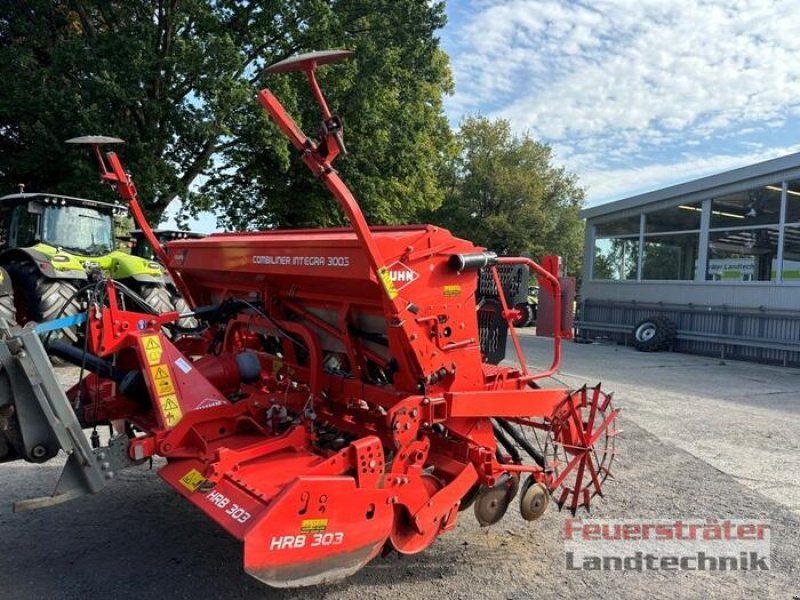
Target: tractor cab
{"points": [[141, 247], [76, 225], [50, 245]]}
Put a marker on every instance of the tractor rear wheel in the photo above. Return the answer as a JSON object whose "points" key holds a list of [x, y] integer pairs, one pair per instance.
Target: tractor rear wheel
{"points": [[40, 298]]}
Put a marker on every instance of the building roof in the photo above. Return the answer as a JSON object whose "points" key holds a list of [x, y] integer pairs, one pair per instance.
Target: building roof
{"points": [[774, 167]]}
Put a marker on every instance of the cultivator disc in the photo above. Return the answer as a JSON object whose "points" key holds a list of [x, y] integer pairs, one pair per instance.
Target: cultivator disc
{"points": [[580, 446]]}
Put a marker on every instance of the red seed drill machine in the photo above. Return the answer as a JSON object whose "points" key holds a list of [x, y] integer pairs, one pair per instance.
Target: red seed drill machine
{"points": [[336, 402]]}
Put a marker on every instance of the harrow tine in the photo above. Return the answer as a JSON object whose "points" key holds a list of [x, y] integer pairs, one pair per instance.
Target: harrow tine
{"points": [[593, 410], [578, 484], [576, 417], [603, 426], [594, 477], [609, 398], [571, 465], [563, 498], [608, 473]]}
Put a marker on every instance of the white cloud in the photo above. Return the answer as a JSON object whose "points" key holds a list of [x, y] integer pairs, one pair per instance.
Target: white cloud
{"points": [[612, 184], [613, 82]]}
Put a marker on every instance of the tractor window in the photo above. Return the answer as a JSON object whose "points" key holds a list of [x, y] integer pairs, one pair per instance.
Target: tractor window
{"points": [[24, 227], [141, 248], [79, 229]]}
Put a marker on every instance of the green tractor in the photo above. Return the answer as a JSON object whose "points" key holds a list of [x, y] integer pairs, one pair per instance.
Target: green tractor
{"points": [[141, 247], [49, 246]]}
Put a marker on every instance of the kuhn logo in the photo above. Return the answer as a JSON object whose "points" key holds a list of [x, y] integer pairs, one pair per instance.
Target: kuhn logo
{"points": [[402, 275]]}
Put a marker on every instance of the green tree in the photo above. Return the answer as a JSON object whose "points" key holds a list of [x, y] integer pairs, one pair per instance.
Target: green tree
{"points": [[505, 193], [177, 81]]}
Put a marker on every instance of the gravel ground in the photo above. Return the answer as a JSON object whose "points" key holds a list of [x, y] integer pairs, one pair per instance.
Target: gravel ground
{"points": [[700, 439]]}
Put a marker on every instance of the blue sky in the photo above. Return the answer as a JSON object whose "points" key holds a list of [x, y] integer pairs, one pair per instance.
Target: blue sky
{"points": [[633, 95]]}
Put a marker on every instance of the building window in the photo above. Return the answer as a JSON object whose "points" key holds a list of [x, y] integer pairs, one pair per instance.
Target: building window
{"points": [[791, 253], [624, 226], [670, 257], [743, 254], [615, 258], [685, 217], [793, 201], [744, 233], [759, 206]]}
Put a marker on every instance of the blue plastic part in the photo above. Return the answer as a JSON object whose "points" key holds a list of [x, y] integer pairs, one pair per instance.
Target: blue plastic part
{"points": [[61, 323]]}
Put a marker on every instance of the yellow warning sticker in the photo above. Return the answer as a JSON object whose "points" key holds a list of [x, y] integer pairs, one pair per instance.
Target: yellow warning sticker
{"points": [[162, 379], [192, 480], [171, 409], [151, 345], [388, 284], [451, 290], [309, 525]]}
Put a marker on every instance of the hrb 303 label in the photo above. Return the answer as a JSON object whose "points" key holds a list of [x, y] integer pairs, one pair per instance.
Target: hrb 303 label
{"points": [[290, 542], [233, 510]]}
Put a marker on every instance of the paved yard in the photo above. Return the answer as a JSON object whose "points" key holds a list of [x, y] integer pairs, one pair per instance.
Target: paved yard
{"points": [[701, 439]]}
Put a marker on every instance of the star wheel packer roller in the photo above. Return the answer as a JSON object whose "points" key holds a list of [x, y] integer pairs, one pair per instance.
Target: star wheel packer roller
{"points": [[337, 403]]}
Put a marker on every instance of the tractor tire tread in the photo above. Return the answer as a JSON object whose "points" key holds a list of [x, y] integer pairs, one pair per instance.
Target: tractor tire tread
{"points": [[47, 298]]}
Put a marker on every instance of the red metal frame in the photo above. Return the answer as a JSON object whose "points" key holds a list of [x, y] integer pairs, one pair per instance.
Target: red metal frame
{"points": [[365, 335], [111, 171]]}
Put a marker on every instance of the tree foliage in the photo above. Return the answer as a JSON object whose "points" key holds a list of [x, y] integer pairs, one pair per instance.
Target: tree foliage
{"points": [[177, 80], [506, 194]]}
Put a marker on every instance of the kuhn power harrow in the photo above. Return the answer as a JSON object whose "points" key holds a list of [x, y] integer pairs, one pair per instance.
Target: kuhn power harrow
{"points": [[336, 402]]}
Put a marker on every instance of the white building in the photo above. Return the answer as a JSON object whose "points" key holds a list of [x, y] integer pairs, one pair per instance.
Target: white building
{"points": [[720, 256]]}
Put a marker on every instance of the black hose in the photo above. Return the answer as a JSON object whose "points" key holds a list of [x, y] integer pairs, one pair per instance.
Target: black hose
{"points": [[93, 363], [521, 441], [507, 444]]}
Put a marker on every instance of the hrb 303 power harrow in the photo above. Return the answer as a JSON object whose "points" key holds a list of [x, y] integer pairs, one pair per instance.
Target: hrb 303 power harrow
{"points": [[335, 403]]}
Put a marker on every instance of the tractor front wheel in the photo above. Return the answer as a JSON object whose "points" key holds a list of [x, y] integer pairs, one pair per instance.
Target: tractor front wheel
{"points": [[8, 310], [157, 297], [183, 307]]}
